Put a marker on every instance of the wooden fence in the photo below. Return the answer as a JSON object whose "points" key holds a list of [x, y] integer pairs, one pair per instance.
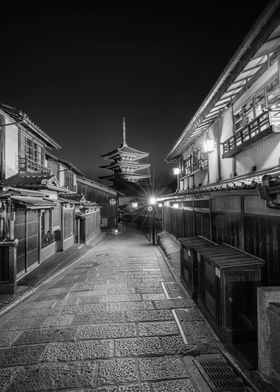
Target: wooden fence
{"points": [[257, 234]]}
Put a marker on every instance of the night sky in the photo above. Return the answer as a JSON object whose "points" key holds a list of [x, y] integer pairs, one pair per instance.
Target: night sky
{"points": [[76, 70]]}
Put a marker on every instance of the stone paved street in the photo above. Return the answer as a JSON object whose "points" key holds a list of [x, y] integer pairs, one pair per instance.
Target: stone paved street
{"points": [[109, 323]]}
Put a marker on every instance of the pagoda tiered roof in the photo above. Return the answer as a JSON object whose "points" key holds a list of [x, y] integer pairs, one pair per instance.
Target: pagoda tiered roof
{"points": [[125, 162], [133, 177], [124, 149]]}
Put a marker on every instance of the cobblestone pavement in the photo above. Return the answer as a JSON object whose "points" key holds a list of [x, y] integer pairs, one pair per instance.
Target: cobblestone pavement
{"points": [[116, 321]]}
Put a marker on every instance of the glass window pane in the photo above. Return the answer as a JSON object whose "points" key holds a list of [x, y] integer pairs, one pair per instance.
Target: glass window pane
{"points": [[260, 104], [273, 94], [248, 112], [238, 120]]}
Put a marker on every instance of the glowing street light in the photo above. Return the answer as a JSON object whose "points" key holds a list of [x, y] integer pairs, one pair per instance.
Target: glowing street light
{"points": [[152, 200]]}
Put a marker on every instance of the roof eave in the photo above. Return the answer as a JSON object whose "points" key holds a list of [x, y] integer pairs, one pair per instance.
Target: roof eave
{"points": [[254, 38]]}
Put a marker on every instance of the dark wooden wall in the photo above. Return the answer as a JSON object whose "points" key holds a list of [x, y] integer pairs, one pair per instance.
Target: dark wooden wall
{"points": [[258, 234], [27, 233]]}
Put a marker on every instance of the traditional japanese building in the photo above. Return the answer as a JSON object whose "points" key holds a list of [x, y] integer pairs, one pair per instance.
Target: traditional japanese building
{"points": [[127, 164], [41, 211], [228, 197]]}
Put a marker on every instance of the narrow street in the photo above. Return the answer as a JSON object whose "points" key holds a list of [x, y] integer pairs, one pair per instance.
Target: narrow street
{"points": [[108, 323]]}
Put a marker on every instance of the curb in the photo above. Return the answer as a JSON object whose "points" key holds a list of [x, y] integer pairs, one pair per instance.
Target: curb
{"points": [[31, 291]]}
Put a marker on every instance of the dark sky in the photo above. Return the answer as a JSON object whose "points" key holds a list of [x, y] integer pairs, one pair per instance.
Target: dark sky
{"points": [[76, 70]]}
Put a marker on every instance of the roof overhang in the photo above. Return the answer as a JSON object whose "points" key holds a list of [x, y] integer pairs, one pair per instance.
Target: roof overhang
{"points": [[22, 120], [249, 61]]}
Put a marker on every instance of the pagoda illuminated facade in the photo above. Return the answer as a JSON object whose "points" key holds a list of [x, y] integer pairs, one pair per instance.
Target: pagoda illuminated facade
{"points": [[126, 164]]}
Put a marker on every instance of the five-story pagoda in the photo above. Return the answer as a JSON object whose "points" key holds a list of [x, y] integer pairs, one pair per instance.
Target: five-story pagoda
{"points": [[126, 164]]}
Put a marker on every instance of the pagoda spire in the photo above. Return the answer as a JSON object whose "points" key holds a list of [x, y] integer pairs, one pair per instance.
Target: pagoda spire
{"points": [[124, 133]]}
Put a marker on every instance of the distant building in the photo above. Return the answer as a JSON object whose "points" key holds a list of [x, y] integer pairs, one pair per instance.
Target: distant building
{"points": [[106, 197], [65, 172], [126, 164]]}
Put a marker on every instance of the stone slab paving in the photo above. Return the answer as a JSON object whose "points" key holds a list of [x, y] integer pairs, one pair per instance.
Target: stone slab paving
{"points": [[106, 324]]}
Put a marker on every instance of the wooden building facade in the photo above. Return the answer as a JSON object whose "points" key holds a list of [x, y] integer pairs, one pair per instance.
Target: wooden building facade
{"points": [[229, 154], [226, 209], [41, 212]]}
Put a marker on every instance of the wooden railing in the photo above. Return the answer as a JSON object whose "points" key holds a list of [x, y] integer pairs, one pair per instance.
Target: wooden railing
{"points": [[200, 164], [258, 128]]}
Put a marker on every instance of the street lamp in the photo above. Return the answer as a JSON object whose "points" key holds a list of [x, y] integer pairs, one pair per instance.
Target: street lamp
{"points": [[113, 204], [152, 200], [151, 209]]}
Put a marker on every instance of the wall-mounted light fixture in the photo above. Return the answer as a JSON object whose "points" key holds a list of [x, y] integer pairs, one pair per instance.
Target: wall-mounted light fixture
{"points": [[209, 145], [176, 171], [175, 205]]}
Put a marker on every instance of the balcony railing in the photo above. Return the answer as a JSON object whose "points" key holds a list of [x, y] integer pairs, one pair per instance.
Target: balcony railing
{"points": [[200, 164], [29, 165], [257, 129]]}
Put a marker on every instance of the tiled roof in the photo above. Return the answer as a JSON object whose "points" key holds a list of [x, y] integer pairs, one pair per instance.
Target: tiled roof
{"points": [[124, 148], [66, 163], [27, 179], [33, 180], [234, 185]]}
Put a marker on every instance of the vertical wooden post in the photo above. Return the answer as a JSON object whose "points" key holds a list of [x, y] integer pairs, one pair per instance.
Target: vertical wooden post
{"points": [[78, 228], [62, 228], [211, 219], [39, 235], [194, 220], [13, 265], [2, 149], [242, 229], [26, 239]]}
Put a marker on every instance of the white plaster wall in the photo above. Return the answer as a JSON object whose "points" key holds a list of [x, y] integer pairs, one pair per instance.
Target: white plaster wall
{"points": [[201, 178], [61, 175], [264, 154], [255, 205], [226, 203], [213, 158], [226, 132], [11, 150]]}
